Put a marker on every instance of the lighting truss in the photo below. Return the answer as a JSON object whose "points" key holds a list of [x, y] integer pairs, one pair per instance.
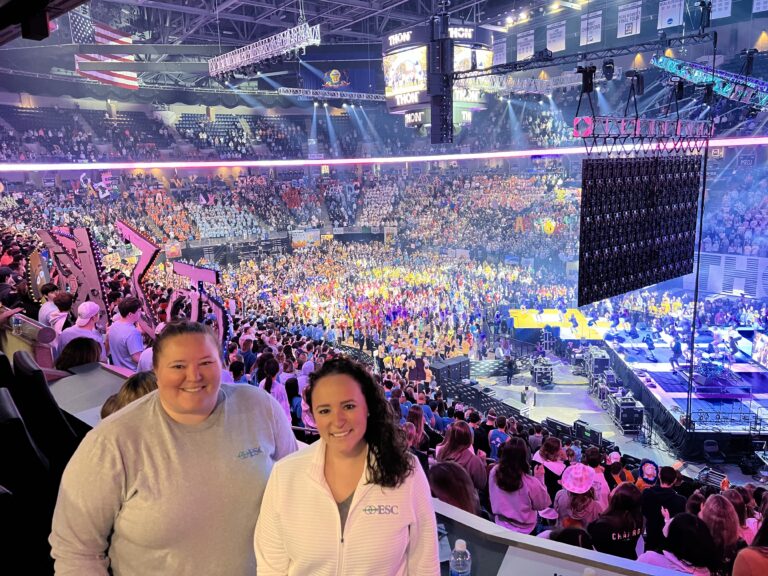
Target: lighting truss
{"points": [[538, 62], [330, 94], [735, 87], [282, 43], [519, 85]]}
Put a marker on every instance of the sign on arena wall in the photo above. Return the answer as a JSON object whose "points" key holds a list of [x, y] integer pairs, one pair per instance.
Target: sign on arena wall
{"points": [[629, 19], [726, 273]]}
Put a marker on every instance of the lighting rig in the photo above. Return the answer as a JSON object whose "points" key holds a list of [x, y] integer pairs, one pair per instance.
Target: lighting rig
{"points": [[282, 45], [736, 87]]}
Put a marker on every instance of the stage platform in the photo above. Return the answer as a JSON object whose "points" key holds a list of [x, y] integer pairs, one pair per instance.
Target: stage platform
{"points": [[730, 397]]}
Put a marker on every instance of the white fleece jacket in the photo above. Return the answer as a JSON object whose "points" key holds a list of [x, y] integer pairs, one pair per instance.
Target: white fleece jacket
{"points": [[389, 531]]}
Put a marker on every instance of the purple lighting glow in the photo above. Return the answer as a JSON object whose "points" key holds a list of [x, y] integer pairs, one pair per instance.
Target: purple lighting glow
{"points": [[574, 150]]}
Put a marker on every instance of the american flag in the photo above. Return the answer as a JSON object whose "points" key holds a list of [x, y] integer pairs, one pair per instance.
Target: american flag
{"points": [[86, 31]]}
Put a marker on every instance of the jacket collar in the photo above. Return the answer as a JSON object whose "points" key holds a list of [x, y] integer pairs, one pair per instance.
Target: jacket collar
{"points": [[317, 470]]}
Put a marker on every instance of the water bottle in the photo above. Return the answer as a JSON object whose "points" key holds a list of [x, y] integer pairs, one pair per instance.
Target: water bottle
{"points": [[461, 560], [16, 325]]}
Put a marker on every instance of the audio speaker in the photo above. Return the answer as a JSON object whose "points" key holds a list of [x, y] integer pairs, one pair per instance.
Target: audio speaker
{"points": [[35, 26]]}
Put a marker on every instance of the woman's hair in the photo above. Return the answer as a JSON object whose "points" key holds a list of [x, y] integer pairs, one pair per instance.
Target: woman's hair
{"points": [[739, 505], [396, 412], [694, 503], [109, 407], [550, 449], [513, 464], [573, 536], [416, 417], [135, 387], [580, 502], [271, 368], [761, 538], [457, 439], [181, 328], [451, 483], [389, 462], [723, 522], [292, 388], [690, 540], [625, 504], [411, 437], [77, 352]]}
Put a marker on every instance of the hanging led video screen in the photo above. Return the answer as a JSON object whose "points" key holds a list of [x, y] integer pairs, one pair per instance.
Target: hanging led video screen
{"points": [[638, 223]]}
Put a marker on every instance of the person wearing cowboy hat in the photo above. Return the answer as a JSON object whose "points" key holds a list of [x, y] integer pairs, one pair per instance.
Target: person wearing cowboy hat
{"points": [[575, 503]]}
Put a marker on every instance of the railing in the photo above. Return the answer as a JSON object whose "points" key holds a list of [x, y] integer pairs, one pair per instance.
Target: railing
{"points": [[498, 551]]}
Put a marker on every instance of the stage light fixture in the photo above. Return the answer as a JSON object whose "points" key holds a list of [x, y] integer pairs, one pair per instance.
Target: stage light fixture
{"points": [[608, 69], [587, 78]]}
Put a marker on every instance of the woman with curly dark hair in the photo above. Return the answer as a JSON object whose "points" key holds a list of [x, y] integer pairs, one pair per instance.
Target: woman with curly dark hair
{"points": [[354, 489]]}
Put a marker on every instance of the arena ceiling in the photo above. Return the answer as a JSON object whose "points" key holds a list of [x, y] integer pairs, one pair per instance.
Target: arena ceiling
{"points": [[227, 24]]}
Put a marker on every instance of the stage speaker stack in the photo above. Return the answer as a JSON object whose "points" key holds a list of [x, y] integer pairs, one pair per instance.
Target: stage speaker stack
{"points": [[451, 369], [585, 433], [441, 90]]}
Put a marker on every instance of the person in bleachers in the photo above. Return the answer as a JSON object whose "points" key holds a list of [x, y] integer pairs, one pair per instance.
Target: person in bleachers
{"points": [[78, 352], [139, 494], [753, 561], [615, 472], [450, 483], [125, 340], [620, 526], [688, 547], [85, 327], [515, 495], [138, 385], [61, 319], [575, 503], [723, 522], [658, 497], [357, 486], [550, 456], [48, 291], [457, 447]]}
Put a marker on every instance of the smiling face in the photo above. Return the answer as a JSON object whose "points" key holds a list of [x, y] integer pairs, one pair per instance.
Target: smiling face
{"points": [[188, 377], [341, 413]]}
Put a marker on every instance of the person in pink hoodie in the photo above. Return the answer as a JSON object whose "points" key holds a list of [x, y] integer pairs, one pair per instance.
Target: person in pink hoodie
{"points": [[516, 496]]}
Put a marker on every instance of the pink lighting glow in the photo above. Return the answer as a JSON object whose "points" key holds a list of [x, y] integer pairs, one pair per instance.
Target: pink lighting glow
{"points": [[574, 150]]}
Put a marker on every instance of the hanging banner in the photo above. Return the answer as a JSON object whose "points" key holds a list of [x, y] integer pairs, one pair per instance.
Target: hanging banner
{"points": [[670, 13], [556, 36], [759, 6], [721, 9], [591, 28], [500, 51], [525, 46], [629, 20]]}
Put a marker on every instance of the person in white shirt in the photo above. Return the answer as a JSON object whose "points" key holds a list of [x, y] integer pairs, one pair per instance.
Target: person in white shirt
{"points": [[85, 327], [354, 489], [48, 291]]}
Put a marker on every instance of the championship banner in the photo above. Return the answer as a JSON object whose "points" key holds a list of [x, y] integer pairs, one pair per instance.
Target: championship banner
{"points": [[500, 52], [670, 13], [591, 28], [629, 20], [721, 9], [759, 6], [556, 36], [525, 46]]}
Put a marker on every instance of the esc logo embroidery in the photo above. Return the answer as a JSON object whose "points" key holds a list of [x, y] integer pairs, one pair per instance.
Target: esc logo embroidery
{"points": [[249, 453], [382, 509]]}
